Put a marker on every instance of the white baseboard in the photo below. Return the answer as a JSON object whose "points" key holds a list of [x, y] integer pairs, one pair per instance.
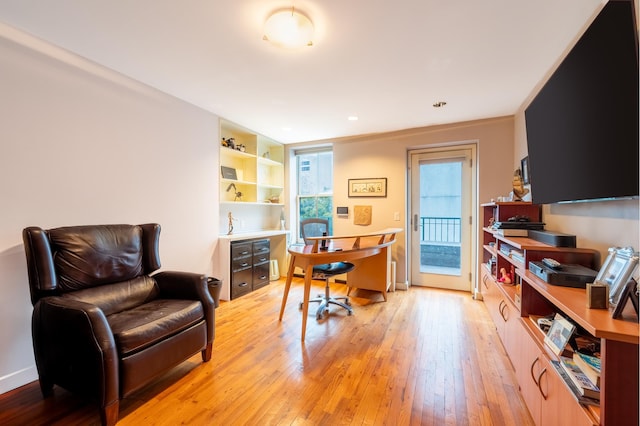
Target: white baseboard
{"points": [[17, 379]]}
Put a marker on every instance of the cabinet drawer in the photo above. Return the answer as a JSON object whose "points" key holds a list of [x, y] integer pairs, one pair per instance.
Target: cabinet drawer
{"points": [[241, 282], [241, 263], [261, 247], [261, 258], [239, 250], [260, 275]]}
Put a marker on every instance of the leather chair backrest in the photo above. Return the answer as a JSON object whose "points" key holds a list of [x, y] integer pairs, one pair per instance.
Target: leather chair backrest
{"points": [[68, 259]]}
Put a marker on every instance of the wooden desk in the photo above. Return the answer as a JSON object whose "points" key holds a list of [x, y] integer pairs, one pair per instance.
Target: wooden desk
{"points": [[344, 248]]}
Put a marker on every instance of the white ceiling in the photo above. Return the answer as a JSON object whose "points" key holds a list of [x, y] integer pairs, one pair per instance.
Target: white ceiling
{"points": [[385, 61]]}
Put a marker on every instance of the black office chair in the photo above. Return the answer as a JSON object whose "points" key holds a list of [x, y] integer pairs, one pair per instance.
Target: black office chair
{"points": [[317, 227]]}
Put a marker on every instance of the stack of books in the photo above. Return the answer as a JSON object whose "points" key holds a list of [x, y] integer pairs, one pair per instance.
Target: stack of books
{"points": [[590, 366], [583, 388]]}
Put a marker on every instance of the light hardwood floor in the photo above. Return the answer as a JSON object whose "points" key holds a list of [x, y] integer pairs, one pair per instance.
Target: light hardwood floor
{"points": [[425, 357]]}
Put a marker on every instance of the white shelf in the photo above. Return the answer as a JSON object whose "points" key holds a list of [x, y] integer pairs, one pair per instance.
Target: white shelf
{"points": [[249, 203]]}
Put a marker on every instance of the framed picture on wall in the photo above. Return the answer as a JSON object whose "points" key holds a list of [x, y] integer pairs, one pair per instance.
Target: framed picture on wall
{"points": [[368, 187]]}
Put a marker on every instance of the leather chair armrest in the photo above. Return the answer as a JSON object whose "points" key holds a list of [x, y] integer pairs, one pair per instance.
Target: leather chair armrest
{"points": [[82, 339], [188, 285]]}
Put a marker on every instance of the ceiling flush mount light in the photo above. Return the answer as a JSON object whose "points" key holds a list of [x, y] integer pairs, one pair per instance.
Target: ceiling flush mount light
{"points": [[288, 28], [439, 104], [352, 118]]}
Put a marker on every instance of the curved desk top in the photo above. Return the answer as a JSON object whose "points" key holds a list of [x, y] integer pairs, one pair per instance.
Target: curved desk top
{"points": [[343, 248]]}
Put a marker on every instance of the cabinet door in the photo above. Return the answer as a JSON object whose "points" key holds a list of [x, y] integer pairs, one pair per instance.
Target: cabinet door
{"points": [[493, 300], [559, 407], [512, 329], [547, 397], [528, 371]]}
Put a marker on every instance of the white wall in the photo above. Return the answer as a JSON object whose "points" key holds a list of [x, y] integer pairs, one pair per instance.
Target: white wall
{"points": [[386, 155], [83, 145]]}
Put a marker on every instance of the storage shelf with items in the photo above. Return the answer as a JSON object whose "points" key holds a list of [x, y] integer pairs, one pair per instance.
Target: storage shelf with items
{"points": [[617, 341], [253, 163], [516, 308], [513, 252], [251, 199]]}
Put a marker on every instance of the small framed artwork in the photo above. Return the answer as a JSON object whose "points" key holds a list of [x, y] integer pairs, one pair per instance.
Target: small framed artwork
{"points": [[369, 187], [229, 173], [362, 215], [559, 334], [524, 169], [616, 271]]}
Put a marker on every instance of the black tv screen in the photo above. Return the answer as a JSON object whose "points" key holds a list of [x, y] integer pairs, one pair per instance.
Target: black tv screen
{"points": [[582, 127]]}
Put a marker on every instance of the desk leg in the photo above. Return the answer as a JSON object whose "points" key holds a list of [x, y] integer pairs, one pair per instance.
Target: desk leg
{"points": [[287, 285], [308, 273]]}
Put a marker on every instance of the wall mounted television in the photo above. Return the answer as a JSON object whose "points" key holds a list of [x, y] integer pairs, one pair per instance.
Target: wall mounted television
{"points": [[582, 127]]}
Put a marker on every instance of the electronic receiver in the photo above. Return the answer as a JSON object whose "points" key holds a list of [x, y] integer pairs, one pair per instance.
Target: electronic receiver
{"points": [[568, 276]]}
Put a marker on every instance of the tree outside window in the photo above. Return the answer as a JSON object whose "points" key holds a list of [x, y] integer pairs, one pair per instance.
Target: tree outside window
{"points": [[315, 186]]}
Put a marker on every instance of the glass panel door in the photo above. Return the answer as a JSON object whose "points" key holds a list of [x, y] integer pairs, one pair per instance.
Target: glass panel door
{"points": [[441, 188]]}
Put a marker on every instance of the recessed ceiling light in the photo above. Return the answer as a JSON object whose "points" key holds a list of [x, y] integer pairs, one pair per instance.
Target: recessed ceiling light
{"points": [[439, 104], [352, 118], [286, 129]]}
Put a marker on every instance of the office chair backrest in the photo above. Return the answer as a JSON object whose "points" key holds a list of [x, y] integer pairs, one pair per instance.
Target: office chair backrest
{"points": [[313, 227]]}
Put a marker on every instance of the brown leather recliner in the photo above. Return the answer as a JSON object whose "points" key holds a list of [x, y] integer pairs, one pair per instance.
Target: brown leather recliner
{"points": [[103, 325]]}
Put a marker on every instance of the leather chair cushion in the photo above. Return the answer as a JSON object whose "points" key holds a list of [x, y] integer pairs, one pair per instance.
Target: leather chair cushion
{"points": [[118, 297], [88, 256], [147, 324]]}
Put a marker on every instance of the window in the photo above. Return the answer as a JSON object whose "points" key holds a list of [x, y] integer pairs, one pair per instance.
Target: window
{"points": [[315, 185]]}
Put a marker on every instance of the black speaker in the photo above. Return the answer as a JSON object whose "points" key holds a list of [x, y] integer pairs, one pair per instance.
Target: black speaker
{"points": [[556, 239]]}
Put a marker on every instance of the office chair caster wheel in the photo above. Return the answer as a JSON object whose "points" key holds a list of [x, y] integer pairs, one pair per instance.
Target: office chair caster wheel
{"points": [[349, 313], [319, 317], [347, 302], [301, 305]]}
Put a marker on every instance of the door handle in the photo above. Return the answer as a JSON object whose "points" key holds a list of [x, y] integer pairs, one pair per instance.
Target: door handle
{"points": [[415, 222]]}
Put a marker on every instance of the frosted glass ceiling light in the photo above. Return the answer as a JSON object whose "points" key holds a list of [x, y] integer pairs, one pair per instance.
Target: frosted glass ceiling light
{"points": [[289, 28]]}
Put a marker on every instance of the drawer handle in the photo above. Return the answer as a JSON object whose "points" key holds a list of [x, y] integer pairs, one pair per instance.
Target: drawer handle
{"points": [[243, 284], [244, 264], [245, 252], [262, 277], [262, 259], [542, 373], [504, 306], [531, 370]]}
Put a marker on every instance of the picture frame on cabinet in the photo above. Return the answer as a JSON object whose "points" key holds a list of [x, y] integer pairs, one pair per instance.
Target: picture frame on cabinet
{"points": [[616, 271], [559, 334], [367, 187], [629, 292]]}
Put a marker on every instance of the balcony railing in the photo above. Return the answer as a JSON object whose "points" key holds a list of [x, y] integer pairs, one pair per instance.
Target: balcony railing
{"points": [[440, 229]]}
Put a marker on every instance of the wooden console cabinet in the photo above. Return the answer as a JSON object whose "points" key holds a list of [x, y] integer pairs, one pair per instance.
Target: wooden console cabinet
{"points": [[511, 306]]}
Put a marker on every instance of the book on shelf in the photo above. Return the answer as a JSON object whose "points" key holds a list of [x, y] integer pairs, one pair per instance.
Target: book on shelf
{"points": [[580, 380], [590, 366], [517, 255], [572, 387]]}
